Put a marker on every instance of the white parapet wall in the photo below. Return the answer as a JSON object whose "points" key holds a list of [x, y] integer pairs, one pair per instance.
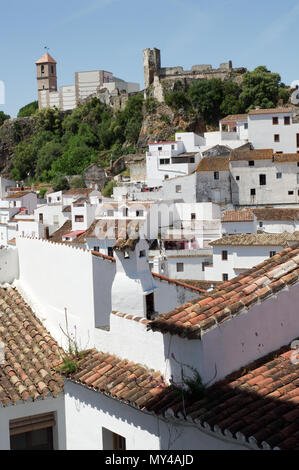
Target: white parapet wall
{"points": [[9, 265], [54, 277]]}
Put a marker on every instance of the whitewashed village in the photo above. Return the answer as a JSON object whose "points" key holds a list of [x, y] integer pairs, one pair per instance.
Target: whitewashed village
{"points": [[163, 316]]}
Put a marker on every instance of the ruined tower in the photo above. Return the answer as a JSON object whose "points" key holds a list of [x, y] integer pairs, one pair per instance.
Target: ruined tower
{"points": [[46, 75], [151, 65]]}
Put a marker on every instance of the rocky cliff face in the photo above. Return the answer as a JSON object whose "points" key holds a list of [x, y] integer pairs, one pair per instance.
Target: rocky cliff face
{"points": [[162, 124], [12, 132]]}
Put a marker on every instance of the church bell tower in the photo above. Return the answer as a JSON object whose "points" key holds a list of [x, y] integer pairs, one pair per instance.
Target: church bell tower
{"points": [[46, 77]]}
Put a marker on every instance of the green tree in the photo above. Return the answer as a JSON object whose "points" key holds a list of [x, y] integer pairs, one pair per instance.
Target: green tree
{"points": [[24, 161], [108, 190], [60, 183], [3, 117], [28, 110], [47, 154], [77, 182], [206, 98], [260, 88], [178, 100], [230, 102]]}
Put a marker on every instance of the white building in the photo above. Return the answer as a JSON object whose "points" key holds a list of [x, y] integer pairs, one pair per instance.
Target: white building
{"points": [[234, 254], [277, 129], [259, 177], [167, 160], [266, 220]]}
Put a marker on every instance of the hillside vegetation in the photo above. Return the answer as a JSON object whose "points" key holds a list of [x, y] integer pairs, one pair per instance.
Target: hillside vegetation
{"points": [[46, 145]]}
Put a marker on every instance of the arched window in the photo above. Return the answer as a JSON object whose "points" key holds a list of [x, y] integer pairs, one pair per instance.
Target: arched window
{"points": [[43, 69]]}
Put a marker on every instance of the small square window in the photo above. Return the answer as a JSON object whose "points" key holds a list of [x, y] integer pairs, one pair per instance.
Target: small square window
{"points": [[261, 224], [180, 267], [178, 189], [290, 193], [272, 253], [276, 138], [160, 149], [216, 175], [251, 163], [252, 192], [224, 256], [224, 277], [237, 178], [275, 120], [262, 180], [287, 120], [193, 216], [246, 125], [142, 254], [278, 176]]}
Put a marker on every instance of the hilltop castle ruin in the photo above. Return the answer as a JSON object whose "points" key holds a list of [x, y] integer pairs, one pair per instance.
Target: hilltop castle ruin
{"points": [[158, 79]]}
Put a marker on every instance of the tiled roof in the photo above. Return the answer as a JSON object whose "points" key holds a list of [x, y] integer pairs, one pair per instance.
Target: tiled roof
{"points": [[271, 213], [262, 154], [57, 236], [78, 192], [244, 215], [75, 233], [181, 283], [46, 58], [204, 285], [258, 405], [119, 378], [30, 353], [286, 157], [270, 111], [17, 195], [235, 117], [67, 209], [214, 164], [258, 239], [193, 319]]}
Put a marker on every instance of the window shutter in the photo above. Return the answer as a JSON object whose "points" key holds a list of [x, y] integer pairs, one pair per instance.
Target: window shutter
{"points": [[31, 423]]}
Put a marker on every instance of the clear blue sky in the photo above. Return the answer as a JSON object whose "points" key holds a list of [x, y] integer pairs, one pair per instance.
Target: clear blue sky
{"points": [[111, 34]]}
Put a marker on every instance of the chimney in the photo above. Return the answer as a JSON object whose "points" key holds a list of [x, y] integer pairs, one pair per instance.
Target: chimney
{"points": [[46, 233]]}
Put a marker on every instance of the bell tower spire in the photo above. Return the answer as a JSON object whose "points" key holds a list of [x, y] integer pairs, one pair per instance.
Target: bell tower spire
{"points": [[46, 75]]}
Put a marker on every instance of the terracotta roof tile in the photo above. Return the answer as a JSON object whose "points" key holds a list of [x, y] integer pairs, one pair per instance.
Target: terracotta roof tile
{"points": [[66, 228], [244, 215], [257, 239], [46, 58], [271, 213], [214, 164], [235, 296], [270, 111], [259, 402], [241, 155], [235, 117], [31, 354]]}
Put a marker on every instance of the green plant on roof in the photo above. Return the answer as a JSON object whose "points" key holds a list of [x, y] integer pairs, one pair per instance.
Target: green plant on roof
{"points": [[73, 355]]}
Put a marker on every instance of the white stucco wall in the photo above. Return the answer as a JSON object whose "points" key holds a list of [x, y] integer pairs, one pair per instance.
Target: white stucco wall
{"points": [[89, 413], [261, 132], [238, 258], [9, 265]]}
